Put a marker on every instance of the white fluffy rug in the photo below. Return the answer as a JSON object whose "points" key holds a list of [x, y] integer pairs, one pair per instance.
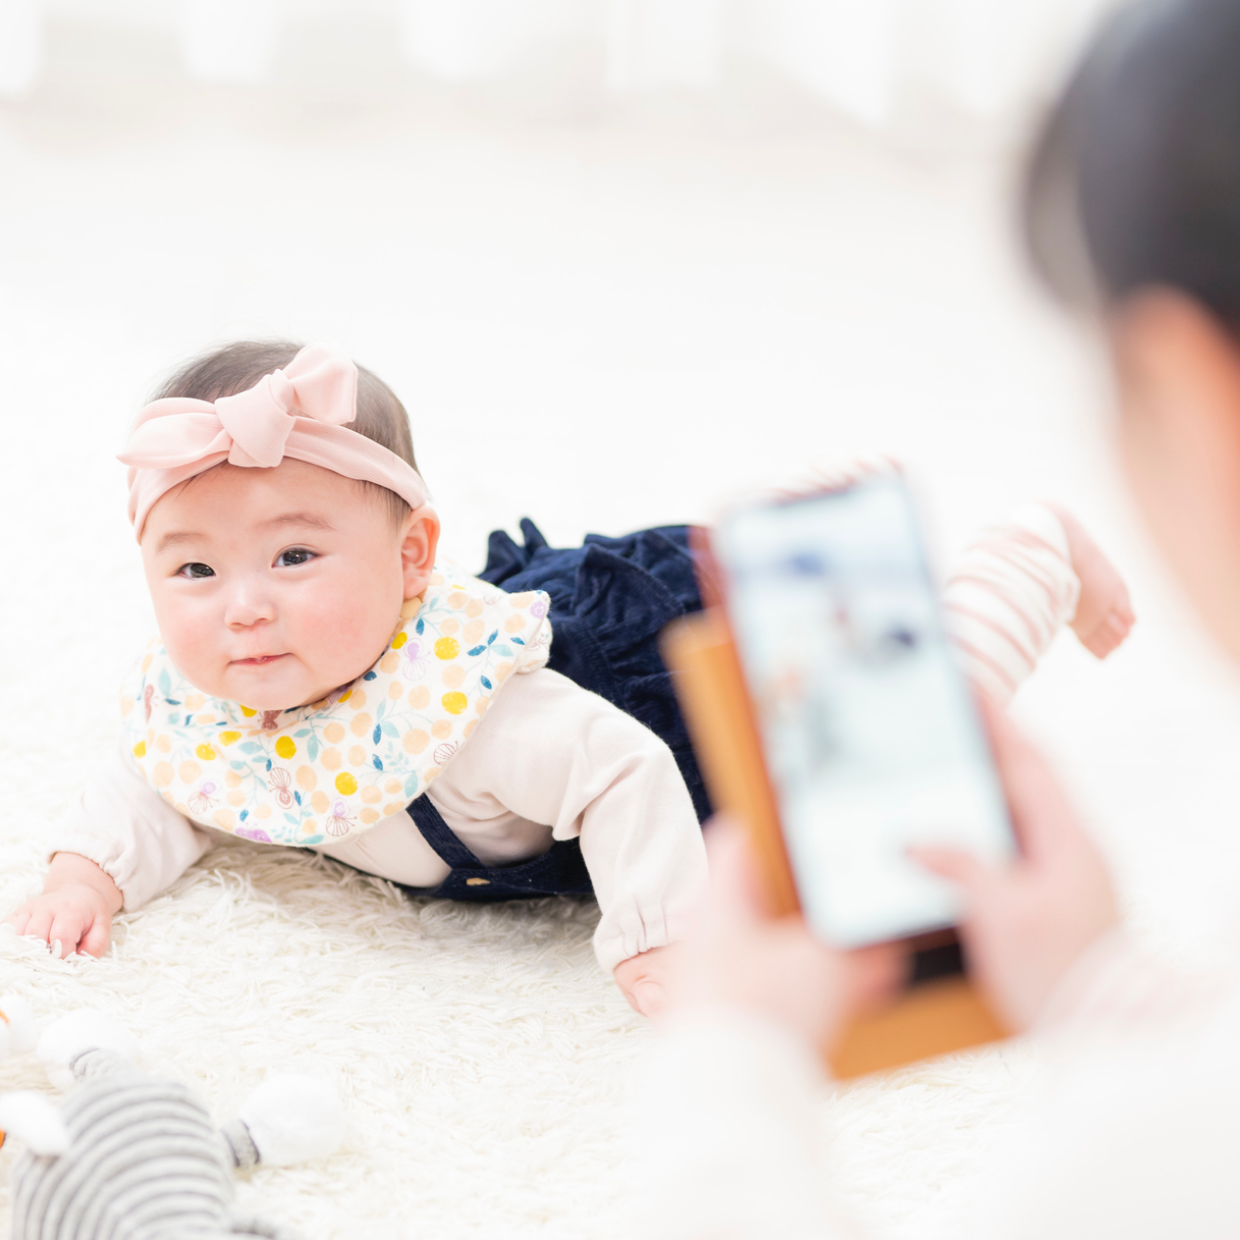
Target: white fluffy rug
{"points": [[603, 327], [480, 1053]]}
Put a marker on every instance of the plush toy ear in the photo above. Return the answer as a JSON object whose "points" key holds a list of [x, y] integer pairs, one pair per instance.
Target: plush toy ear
{"points": [[31, 1118], [64, 1040], [292, 1118], [18, 1031]]}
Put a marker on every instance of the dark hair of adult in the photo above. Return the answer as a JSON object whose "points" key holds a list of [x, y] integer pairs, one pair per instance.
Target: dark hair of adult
{"points": [[1134, 180]]}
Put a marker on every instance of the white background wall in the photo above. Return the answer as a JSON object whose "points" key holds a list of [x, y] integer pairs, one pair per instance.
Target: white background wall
{"points": [[869, 58]]}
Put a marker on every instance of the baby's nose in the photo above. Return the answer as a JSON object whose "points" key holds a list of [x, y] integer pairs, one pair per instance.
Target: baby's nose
{"points": [[247, 607]]}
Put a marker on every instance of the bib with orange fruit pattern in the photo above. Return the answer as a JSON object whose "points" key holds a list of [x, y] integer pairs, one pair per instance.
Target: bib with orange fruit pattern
{"points": [[315, 774]]}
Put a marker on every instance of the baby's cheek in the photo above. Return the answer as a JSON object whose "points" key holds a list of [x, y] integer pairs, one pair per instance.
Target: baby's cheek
{"points": [[345, 631], [193, 643]]}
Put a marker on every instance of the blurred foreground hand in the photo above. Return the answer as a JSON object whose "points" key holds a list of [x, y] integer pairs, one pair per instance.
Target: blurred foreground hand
{"points": [[737, 955], [1025, 924]]}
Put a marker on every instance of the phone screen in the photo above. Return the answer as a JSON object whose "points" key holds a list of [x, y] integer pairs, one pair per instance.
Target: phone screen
{"points": [[870, 733]]}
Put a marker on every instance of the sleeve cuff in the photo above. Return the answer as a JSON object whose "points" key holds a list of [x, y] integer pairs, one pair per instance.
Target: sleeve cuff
{"points": [[96, 848], [1116, 982], [617, 939]]}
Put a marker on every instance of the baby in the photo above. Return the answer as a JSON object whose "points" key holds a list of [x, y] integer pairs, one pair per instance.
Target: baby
{"points": [[321, 680]]}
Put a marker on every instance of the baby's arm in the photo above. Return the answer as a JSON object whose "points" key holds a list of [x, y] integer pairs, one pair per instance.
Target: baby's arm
{"points": [[119, 845], [557, 754]]}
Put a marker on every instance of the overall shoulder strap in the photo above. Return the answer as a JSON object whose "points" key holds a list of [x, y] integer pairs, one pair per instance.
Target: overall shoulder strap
{"points": [[440, 836]]}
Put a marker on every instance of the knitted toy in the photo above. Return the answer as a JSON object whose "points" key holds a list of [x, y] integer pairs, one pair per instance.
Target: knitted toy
{"points": [[129, 1156]]}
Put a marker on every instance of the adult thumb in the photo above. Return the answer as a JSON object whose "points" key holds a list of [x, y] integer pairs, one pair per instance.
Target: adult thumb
{"points": [[953, 864]]}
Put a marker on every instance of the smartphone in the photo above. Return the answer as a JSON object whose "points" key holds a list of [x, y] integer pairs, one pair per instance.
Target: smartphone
{"points": [[870, 734]]}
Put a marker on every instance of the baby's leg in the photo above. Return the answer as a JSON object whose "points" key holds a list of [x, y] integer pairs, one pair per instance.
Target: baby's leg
{"points": [[1019, 584], [1015, 588], [833, 470], [1104, 615]]}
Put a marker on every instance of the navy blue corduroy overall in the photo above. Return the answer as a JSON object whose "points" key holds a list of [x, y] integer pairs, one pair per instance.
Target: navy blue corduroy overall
{"points": [[610, 597]]}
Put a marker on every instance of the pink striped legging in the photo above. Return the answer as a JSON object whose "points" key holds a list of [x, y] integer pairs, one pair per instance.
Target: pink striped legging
{"points": [[1011, 593]]}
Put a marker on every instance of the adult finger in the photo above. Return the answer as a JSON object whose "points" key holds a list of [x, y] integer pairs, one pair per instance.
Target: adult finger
{"points": [[878, 972], [954, 864], [734, 882], [1041, 813]]}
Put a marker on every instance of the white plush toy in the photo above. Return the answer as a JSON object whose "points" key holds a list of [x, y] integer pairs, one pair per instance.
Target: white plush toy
{"points": [[129, 1156]]}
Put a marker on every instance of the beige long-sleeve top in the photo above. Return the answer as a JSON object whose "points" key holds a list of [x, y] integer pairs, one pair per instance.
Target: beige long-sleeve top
{"points": [[549, 761], [1135, 1133]]}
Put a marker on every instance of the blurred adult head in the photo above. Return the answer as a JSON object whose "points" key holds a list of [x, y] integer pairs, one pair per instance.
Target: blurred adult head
{"points": [[1132, 210]]}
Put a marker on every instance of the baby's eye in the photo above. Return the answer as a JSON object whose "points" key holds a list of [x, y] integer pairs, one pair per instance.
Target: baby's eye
{"points": [[294, 556], [195, 571]]}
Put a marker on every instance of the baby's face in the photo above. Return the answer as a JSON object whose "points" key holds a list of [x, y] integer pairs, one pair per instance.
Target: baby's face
{"points": [[275, 586]]}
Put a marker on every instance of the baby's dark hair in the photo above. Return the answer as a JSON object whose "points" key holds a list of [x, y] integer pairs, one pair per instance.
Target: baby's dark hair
{"points": [[239, 366], [1135, 178]]}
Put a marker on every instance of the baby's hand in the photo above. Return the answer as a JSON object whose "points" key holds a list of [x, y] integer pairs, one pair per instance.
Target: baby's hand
{"points": [[76, 907], [643, 979], [77, 916]]}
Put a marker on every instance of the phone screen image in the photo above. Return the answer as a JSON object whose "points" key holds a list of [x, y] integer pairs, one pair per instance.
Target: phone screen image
{"points": [[869, 731]]}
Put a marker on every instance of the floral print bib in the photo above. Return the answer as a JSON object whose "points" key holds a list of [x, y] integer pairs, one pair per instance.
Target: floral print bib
{"points": [[315, 774]]}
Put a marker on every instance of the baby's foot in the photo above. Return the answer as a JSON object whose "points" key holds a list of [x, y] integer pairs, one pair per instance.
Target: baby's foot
{"points": [[1104, 615], [832, 471]]}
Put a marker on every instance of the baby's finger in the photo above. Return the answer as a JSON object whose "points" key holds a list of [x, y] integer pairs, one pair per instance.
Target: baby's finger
{"points": [[95, 940], [68, 929], [649, 997], [18, 920], [40, 924]]}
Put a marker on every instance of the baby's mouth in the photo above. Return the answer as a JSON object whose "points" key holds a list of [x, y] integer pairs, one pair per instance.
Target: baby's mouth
{"points": [[260, 660]]}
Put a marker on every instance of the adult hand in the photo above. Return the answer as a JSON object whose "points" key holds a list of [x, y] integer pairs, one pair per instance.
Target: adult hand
{"points": [[738, 954], [1026, 923]]}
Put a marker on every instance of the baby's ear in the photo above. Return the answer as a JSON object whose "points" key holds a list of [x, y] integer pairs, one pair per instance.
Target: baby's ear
{"points": [[418, 547], [31, 1118], [18, 1031]]}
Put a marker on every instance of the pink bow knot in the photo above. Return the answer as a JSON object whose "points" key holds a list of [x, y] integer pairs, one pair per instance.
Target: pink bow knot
{"points": [[300, 411], [320, 383], [252, 427]]}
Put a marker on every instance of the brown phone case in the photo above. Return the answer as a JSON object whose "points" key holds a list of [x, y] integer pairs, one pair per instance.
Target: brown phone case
{"points": [[928, 1019]]}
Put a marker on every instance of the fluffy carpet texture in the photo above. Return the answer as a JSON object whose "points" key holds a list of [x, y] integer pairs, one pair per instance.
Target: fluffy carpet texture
{"points": [[480, 1053], [602, 325]]}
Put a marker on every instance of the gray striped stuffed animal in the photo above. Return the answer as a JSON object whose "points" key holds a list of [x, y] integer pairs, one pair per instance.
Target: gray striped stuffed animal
{"points": [[134, 1157]]}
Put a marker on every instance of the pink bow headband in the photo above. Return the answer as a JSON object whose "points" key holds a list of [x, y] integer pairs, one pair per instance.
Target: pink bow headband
{"points": [[299, 411]]}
